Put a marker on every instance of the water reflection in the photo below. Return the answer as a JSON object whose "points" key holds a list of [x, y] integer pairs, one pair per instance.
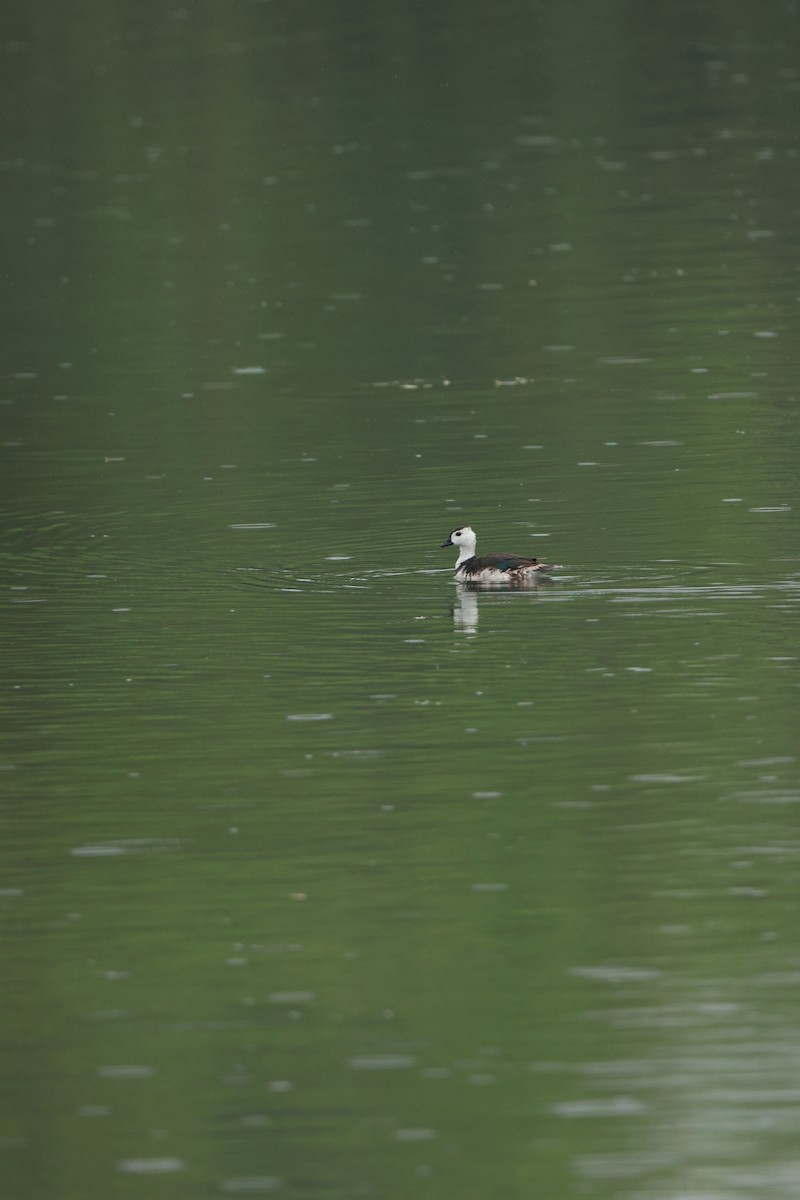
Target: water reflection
{"points": [[466, 611]]}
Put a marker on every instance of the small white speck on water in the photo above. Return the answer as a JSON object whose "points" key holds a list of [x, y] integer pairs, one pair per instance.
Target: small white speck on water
{"points": [[666, 778], [381, 1062], [100, 851], [309, 717], [618, 1106], [151, 1166], [615, 974], [487, 795]]}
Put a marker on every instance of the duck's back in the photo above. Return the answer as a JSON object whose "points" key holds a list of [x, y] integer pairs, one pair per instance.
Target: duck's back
{"points": [[499, 565]]}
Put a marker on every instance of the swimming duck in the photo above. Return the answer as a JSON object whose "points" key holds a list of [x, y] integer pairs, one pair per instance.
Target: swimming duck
{"points": [[492, 568]]}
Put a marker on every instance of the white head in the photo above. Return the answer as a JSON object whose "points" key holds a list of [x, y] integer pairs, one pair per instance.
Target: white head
{"points": [[464, 538]]}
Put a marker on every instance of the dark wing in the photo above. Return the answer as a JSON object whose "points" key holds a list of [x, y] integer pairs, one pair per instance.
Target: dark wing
{"points": [[501, 562]]}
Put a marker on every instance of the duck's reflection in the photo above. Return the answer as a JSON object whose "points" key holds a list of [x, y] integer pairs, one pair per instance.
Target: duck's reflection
{"points": [[466, 611]]}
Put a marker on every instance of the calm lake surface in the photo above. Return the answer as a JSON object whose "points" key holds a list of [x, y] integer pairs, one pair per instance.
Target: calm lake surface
{"points": [[321, 875]]}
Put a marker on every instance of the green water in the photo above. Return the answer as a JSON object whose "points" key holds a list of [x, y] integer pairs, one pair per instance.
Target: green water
{"points": [[321, 876]]}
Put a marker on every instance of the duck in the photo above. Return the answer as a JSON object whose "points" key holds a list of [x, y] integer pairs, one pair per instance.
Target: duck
{"points": [[492, 568]]}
